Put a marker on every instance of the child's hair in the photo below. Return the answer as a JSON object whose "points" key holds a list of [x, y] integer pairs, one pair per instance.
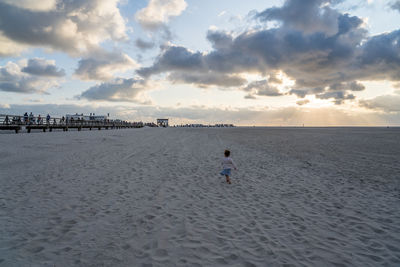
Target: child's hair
{"points": [[227, 153]]}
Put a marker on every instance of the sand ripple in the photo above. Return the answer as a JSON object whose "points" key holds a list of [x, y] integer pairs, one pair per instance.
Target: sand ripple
{"points": [[153, 197]]}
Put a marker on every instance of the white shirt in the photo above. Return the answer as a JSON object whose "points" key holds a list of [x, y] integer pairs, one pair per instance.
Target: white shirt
{"points": [[227, 163]]}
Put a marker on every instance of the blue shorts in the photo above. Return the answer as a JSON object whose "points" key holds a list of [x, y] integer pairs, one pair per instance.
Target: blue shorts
{"points": [[226, 172]]}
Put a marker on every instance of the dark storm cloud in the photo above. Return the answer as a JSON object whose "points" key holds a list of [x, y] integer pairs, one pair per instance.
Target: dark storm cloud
{"points": [[300, 93], [355, 86], [262, 88], [305, 15], [262, 51], [174, 58], [207, 79], [71, 26], [380, 57], [306, 91], [26, 26], [219, 40], [315, 45], [22, 86], [41, 67], [117, 90], [395, 5], [338, 96], [352, 86], [144, 45], [386, 103]]}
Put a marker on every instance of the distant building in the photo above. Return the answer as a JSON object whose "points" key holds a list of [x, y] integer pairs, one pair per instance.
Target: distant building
{"points": [[74, 117], [162, 122], [91, 117]]}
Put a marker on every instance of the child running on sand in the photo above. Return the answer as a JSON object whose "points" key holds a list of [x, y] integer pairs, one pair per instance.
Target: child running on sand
{"points": [[227, 165]]}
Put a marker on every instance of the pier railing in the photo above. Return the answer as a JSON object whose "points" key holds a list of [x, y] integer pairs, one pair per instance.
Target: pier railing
{"points": [[18, 122]]}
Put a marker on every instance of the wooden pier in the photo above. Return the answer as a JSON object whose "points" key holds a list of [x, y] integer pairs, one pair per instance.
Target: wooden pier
{"points": [[18, 123], [15, 128]]}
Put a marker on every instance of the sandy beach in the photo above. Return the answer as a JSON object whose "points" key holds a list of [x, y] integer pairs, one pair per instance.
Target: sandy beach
{"points": [[154, 197]]}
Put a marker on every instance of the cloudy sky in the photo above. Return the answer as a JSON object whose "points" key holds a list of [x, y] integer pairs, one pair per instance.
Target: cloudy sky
{"points": [[253, 62]]}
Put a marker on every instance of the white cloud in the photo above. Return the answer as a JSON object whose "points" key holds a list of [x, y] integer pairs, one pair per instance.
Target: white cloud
{"points": [[5, 106], [303, 102], [35, 5], [158, 12], [102, 65], [9, 47], [222, 13], [213, 28]]}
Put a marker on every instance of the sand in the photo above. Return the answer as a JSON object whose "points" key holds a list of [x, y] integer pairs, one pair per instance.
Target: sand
{"points": [[153, 197]]}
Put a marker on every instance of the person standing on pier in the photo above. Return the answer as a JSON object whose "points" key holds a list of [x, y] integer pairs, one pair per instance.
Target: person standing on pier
{"points": [[48, 119], [26, 117], [31, 118], [6, 120]]}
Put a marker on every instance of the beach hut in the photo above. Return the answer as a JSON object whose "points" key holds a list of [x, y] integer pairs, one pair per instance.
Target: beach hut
{"points": [[162, 122]]}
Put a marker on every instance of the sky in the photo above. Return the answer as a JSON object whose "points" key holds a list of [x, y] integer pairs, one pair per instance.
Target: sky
{"points": [[253, 62]]}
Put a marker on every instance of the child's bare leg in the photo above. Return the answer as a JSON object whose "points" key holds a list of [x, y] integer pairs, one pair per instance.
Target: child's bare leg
{"points": [[227, 179]]}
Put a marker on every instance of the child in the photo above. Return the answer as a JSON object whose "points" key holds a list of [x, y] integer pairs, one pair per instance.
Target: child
{"points": [[227, 165]]}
